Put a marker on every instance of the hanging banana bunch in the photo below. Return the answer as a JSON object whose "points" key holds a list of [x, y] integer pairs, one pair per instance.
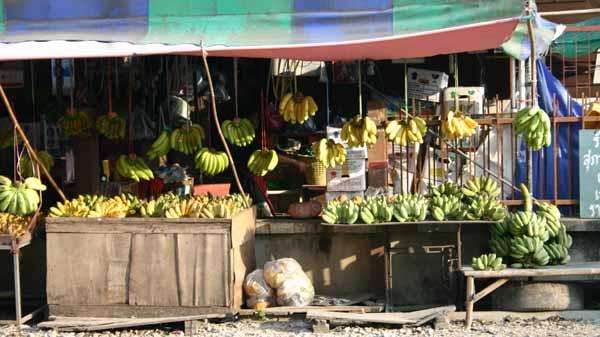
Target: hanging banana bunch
{"points": [[296, 108], [329, 153], [534, 124], [360, 131], [188, 138], [239, 131], [211, 162], [406, 132], [457, 126], [262, 161], [111, 126], [160, 147]]}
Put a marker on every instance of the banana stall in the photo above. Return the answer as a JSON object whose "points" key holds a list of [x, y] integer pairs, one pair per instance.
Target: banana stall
{"points": [[170, 153]]}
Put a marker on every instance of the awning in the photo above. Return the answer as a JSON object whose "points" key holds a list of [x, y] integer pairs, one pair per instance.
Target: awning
{"points": [[298, 29]]}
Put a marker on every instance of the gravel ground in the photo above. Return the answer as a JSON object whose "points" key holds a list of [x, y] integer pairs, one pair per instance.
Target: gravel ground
{"points": [[300, 328]]}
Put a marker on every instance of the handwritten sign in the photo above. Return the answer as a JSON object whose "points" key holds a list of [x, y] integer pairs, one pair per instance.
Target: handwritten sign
{"points": [[589, 173]]}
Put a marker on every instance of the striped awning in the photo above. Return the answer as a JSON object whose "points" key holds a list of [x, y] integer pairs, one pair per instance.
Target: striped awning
{"points": [[299, 29]]}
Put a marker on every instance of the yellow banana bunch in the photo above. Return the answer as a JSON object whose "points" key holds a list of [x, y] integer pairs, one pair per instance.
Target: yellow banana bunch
{"points": [[406, 132], [360, 132], [74, 123], [184, 208], [458, 126], [26, 165], [110, 208], [160, 147], [329, 153], [221, 208], [262, 161], [70, 208], [239, 131], [20, 197], [14, 225], [111, 126], [133, 167], [188, 138], [296, 108], [211, 162]]}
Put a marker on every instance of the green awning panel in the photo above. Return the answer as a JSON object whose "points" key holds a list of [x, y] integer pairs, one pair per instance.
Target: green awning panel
{"points": [[573, 44]]}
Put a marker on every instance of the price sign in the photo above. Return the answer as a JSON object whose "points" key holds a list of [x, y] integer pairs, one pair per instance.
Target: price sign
{"points": [[589, 173]]}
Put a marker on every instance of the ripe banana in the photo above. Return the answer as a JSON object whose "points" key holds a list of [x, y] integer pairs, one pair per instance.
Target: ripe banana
{"points": [[211, 162], [262, 161], [457, 126], [15, 225], [329, 153], [406, 132], [296, 108], [360, 131]]}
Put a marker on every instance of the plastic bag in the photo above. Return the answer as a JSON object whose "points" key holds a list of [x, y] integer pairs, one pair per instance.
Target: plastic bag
{"points": [[260, 295], [296, 290], [275, 272]]}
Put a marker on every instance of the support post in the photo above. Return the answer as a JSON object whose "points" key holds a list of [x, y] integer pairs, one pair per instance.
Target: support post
{"points": [[469, 301]]}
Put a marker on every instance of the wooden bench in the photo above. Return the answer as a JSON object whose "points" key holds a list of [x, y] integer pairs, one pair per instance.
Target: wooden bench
{"points": [[503, 276]]}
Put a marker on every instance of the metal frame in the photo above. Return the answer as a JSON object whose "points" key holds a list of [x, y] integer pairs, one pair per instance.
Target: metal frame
{"points": [[14, 248]]}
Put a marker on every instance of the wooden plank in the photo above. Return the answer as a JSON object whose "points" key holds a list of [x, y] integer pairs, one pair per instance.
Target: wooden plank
{"points": [[487, 290], [69, 325], [153, 275], [243, 232], [426, 222], [572, 269], [148, 228], [383, 318], [213, 271], [501, 316], [302, 310], [131, 311], [136, 220], [78, 268]]}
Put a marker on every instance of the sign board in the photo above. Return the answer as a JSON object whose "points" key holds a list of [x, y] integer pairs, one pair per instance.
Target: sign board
{"points": [[426, 84], [589, 173], [12, 74]]}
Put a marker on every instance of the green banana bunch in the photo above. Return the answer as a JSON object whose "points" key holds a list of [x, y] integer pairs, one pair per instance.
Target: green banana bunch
{"points": [[551, 215], [187, 139], [211, 162], [74, 123], [534, 124], [329, 153], [558, 253], [111, 126], [484, 207], [481, 185], [448, 188], [447, 208], [262, 161], [502, 228], [157, 208], [160, 147], [342, 212], [239, 131], [488, 262], [528, 252], [376, 210], [564, 238], [500, 245], [410, 207], [26, 164], [20, 197], [133, 167], [528, 223]]}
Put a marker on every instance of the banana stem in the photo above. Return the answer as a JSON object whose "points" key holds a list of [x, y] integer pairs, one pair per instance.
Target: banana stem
{"points": [[218, 127], [32, 153]]}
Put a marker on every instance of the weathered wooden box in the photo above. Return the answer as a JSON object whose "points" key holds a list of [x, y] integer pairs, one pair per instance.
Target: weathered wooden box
{"points": [[148, 267]]}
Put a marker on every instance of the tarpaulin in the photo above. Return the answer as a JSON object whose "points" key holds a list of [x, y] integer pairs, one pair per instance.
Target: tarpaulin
{"points": [[573, 44], [301, 29], [568, 156]]}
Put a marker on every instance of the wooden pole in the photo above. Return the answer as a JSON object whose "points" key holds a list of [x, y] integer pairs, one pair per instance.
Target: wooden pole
{"points": [[218, 126], [32, 153], [532, 61]]}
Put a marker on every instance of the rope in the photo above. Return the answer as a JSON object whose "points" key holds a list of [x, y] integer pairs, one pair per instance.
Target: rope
{"points": [[218, 126], [405, 91], [109, 83], [456, 102], [130, 109], [360, 105], [72, 69], [235, 85]]}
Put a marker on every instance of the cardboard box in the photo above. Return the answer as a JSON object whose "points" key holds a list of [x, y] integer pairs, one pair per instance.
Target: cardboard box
{"points": [[378, 174], [332, 195], [349, 177], [351, 153], [426, 85], [377, 111], [379, 151], [469, 98]]}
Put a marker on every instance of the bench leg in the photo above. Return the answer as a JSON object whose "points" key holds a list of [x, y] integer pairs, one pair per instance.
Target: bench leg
{"points": [[469, 301]]}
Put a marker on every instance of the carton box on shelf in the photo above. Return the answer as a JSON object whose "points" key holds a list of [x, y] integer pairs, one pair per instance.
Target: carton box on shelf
{"points": [[350, 176]]}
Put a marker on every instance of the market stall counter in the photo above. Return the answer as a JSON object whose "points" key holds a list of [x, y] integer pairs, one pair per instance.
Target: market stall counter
{"points": [[148, 267]]}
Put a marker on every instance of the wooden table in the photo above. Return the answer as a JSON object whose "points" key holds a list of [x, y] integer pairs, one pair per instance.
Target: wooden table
{"points": [[503, 276], [389, 250]]}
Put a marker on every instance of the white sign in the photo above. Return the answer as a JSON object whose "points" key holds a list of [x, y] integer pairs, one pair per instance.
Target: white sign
{"points": [[426, 84]]}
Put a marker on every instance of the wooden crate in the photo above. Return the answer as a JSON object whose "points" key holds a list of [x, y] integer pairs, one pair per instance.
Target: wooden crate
{"points": [[148, 267]]}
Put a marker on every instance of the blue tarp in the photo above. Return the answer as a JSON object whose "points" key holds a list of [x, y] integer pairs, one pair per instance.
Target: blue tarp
{"points": [[548, 87]]}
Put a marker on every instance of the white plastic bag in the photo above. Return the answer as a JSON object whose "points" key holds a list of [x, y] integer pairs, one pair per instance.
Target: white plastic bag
{"points": [[260, 295], [296, 290], [275, 271]]}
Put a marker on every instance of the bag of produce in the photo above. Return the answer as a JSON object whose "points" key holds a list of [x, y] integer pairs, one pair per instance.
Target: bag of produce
{"points": [[296, 290], [275, 271], [260, 295]]}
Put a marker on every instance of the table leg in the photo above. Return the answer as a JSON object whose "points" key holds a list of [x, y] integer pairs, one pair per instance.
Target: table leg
{"points": [[388, 269], [470, 300], [459, 246], [17, 276]]}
